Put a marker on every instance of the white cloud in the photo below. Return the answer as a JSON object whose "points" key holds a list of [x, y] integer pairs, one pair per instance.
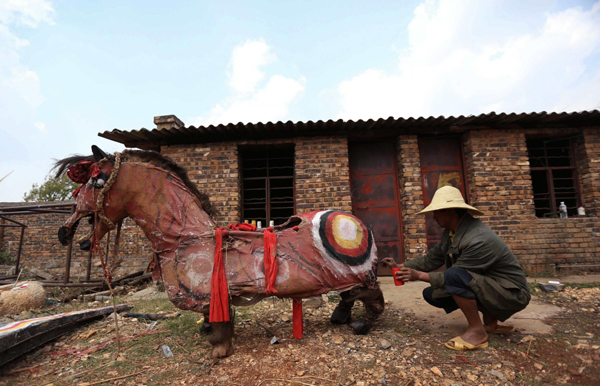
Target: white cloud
{"points": [[465, 58], [27, 12], [41, 126], [246, 62], [20, 96], [248, 102]]}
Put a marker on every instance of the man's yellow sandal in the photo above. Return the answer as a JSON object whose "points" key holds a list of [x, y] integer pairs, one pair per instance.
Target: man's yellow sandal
{"points": [[461, 345]]}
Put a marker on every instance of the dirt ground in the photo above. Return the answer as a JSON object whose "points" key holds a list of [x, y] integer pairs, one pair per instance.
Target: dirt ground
{"points": [[404, 347]]}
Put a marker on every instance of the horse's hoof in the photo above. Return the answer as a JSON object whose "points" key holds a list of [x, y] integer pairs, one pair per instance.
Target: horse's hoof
{"points": [[341, 316], [361, 326], [223, 350], [206, 328]]}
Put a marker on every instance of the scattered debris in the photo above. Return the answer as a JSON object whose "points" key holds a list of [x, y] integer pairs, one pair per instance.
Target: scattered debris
{"points": [[41, 274], [551, 286], [116, 291], [159, 316], [274, 340], [167, 351]]}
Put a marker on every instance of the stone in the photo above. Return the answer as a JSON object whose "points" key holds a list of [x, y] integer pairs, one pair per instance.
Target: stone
{"points": [[337, 339], [436, 371], [472, 377], [384, 344], [408, 352], [498, 374], [313, 302]]}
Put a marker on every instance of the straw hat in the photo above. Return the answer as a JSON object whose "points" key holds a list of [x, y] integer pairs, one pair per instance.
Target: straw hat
{"points": [[448, 197]]}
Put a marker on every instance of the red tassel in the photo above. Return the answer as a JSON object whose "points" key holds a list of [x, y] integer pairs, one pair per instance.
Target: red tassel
{"points": [[219, 294], [270, 260]]}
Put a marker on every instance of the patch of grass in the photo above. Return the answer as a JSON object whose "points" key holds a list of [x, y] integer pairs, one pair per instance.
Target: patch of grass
{"points": [[242, 313], [153, 306], [334, 298], [583, 285], [5, 257], [184, 326]]}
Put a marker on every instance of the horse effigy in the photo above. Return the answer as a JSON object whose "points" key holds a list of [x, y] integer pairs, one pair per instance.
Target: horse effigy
{"points": [[206, 268]]}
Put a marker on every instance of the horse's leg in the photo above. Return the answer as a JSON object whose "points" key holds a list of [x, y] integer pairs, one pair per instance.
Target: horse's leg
{"points": [[343, 312], [220, 339], [206, 327], [372, 299]]}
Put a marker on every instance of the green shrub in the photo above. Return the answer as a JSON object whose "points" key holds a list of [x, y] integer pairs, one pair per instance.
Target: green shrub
{"points": [[5, 257]]}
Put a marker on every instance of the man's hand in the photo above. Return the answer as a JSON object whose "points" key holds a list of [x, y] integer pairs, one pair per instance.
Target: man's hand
{"points": [[408, 274], [389, 262]]}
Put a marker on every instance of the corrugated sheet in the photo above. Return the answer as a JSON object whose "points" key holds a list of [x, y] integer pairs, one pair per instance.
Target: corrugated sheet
{"points": [[152, 139]]}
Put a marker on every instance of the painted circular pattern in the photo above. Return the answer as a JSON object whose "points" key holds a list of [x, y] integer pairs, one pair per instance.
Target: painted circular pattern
{"points": [[345, 237]]}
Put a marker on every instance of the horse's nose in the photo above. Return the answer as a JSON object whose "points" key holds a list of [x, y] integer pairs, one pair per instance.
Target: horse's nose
{"points": [[63, 235], [85, 245]]}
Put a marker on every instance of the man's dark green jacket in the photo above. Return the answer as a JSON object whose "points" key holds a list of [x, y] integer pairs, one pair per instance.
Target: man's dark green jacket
{"points": [[498, 280]]}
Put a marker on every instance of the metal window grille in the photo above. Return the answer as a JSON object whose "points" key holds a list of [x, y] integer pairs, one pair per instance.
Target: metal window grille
{"points": [[267, 184], [553, 175]]}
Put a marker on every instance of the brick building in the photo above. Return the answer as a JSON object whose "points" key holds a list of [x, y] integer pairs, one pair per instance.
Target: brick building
{"points": [[516, 168]]}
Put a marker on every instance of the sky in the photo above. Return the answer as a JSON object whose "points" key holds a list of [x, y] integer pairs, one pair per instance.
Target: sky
{"points": [[72, 69]]}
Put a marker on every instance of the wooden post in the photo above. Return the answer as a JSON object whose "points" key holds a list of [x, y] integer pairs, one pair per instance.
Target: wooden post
{"points": [[68, 260], [297, 318], [19, 251], [89, 266]]}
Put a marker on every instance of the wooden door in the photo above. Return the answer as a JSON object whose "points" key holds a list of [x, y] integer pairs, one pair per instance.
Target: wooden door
{"points": [[375, 195], [441, 165]]}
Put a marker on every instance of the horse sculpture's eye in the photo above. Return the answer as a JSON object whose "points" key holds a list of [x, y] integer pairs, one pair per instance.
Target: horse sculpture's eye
{"points": [[98, 183]]}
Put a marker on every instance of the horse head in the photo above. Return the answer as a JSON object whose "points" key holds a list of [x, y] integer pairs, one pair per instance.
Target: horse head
{"points": [[94, 173]]}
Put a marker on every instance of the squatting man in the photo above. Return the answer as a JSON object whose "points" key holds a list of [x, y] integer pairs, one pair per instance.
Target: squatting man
{"points": [[482, 274]]}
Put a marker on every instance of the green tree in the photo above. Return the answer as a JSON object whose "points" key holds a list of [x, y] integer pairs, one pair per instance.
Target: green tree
{"points": [[52, 189]]}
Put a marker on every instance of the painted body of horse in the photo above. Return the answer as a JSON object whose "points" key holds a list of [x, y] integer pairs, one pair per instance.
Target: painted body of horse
{"points": [[316, 252]]}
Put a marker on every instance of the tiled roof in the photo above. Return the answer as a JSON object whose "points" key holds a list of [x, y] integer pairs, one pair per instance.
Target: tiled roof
{"points": [[152, 139]]}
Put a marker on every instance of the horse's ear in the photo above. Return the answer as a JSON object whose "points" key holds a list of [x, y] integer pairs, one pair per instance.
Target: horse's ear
{"points": [[98, 153]]}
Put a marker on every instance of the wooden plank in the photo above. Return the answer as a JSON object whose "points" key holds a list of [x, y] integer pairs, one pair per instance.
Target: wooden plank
{"points": [[19, 337]]}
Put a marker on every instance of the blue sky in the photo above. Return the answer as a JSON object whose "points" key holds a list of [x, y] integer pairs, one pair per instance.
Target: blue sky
{"points": [[72, 69]]}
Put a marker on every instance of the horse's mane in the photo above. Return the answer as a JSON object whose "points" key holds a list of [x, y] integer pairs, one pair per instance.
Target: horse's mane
{"points": [[151, 157]]}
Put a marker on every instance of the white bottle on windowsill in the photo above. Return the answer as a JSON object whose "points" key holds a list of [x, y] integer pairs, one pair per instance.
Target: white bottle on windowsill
{"points": [[562, 208]]}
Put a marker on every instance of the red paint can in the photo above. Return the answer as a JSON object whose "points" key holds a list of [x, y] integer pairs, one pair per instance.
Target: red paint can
{"points": [[397, 281]]}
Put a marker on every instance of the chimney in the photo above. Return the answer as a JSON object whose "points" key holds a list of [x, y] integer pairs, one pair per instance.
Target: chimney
{"points": [[168, 122]]}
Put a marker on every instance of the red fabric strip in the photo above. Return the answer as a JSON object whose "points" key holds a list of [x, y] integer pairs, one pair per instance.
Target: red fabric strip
{"points": [[219, 294], [270, 260]]}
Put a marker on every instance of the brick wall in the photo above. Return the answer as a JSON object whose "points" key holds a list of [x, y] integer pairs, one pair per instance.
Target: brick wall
{"points": [[322, 174], [588, 161], [214, 168], [41, 248], [499, 184], [322, 177], [411, 196]]}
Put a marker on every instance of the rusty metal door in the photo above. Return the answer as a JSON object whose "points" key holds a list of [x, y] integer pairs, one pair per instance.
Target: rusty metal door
{"points": [[441, 165], [375, 195]]}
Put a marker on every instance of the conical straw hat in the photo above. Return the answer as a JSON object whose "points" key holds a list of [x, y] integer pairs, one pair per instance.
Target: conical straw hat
{"points": [[448, 197]]}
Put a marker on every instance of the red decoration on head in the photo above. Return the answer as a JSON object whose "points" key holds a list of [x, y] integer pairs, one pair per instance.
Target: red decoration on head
{"points": [[82, 172]]}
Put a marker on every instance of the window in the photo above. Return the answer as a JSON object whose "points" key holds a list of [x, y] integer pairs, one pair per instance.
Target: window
{"points": [[554, 176], [267, 184]]}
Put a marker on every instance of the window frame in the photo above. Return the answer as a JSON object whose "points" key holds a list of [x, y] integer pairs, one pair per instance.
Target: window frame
{"points": [[572, 146], [268, 179]]}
